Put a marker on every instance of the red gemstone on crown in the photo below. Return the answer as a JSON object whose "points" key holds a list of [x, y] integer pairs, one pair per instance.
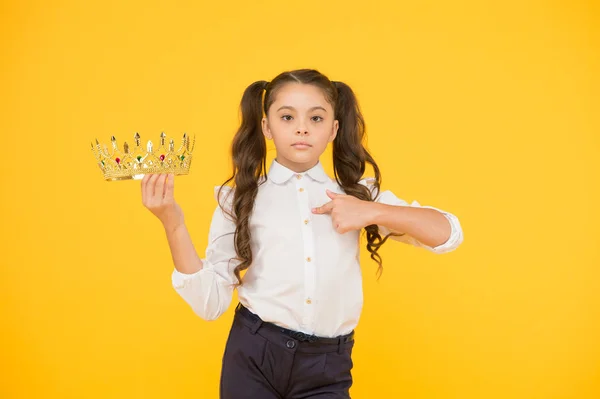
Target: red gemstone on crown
{"points": [[162, 157], [118, 160]]}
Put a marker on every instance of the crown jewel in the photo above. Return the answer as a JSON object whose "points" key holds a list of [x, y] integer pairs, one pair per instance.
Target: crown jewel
{"points": [[134, 163]]}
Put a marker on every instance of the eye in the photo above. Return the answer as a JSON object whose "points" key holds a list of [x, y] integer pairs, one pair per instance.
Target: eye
{"points": [[285, 116], [319, 118]]}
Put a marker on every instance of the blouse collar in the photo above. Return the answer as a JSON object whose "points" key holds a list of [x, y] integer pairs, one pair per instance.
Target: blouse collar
{"points": [[279, 174]]}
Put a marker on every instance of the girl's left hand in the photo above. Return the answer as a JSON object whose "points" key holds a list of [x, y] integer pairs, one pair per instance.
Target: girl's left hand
{"points": [[347, 212]]}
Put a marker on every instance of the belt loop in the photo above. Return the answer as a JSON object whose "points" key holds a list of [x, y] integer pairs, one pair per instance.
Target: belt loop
{"points": [[257, 323], [340, 345], [256, 320]]}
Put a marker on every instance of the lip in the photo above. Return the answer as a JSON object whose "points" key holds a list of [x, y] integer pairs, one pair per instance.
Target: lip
{"points": [[301, 144]]}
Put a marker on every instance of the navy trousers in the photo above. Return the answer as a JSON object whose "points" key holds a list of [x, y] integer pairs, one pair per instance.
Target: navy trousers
{"points": [[264, 361]]}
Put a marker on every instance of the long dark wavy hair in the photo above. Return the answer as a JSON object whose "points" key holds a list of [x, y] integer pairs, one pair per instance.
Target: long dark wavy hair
{"points": [[249, 153]]}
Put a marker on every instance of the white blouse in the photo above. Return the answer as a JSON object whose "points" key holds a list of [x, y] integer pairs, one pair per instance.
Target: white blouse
{"points": [[305, 276]]}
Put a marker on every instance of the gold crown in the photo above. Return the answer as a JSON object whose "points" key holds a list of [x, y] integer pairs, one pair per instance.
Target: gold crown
{"points": [[135, 163]]}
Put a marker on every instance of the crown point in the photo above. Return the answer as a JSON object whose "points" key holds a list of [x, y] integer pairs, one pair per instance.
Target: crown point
{"points": [[163, 135], [149, 146], [113, 138], [126, 148], [137, 135], [97, 142]]}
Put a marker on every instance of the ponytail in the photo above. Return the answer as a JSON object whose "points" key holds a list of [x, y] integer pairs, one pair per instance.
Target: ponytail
{"points": [[249, 153], [350, 158]]}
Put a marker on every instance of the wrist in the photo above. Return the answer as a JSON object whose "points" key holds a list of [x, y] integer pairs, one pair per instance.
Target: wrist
{"points": [[376, 213], [171, 227]]}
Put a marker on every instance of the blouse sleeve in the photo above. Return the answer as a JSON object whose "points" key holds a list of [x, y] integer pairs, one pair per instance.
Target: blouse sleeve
{"points": [[389, 198], [209, 291]]}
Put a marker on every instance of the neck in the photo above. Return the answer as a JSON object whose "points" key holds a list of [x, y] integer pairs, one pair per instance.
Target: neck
{"points": [[297, 167]]}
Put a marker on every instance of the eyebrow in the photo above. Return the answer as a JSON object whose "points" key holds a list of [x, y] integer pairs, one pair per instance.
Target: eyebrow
{"points": [[293, 109]]}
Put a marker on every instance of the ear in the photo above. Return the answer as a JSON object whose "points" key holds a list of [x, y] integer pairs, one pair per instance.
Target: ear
{"points": [[336, 126], [265, 129]]}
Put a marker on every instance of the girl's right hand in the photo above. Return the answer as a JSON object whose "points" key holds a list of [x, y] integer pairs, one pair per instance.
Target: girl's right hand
{"points": [[157, 196]]}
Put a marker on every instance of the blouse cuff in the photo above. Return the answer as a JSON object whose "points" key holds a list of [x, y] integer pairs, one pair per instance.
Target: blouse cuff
{"points": [[179, 279], [456, 234]]}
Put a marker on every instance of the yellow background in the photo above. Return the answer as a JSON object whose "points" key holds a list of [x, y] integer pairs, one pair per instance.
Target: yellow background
{"points": [[488, 110]]}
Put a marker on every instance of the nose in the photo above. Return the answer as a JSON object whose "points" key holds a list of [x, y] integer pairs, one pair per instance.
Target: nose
{"points": [[301, 130], [301, 126]]}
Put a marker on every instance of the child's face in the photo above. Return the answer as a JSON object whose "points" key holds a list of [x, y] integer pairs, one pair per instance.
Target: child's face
{"points": [[300, 113]]}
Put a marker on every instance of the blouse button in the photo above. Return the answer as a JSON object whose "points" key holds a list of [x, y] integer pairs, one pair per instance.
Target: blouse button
{"points": [[308, 301], [298, 177], [305, 221], [300, 189], [308, 259]]}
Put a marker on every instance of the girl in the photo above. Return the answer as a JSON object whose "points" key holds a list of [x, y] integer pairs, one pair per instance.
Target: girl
{"points": [[294, 232]]}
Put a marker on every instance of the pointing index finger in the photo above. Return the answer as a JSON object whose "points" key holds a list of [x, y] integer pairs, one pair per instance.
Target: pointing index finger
{"points": [[324, 208]]}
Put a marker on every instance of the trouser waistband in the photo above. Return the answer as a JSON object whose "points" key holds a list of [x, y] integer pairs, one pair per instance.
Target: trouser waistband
{"points": [[255, 323]]}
